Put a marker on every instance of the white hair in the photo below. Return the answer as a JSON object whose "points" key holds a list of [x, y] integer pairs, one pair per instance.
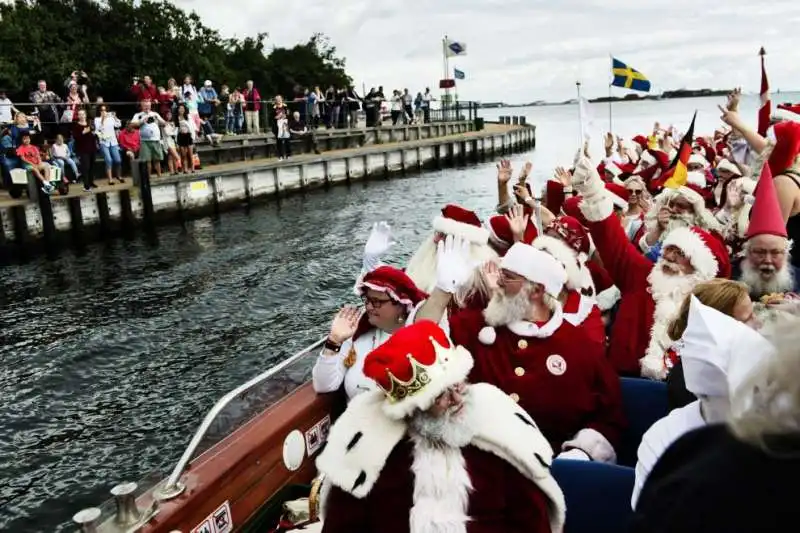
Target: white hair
{"points": [[701, 217]]}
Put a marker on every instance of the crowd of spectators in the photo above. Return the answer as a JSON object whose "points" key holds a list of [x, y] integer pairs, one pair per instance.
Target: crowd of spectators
{"points": [[60, 139]]}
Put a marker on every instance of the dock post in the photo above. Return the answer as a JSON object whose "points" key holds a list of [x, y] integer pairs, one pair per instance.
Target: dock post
{"points": [[141, 177], [48, 224]]}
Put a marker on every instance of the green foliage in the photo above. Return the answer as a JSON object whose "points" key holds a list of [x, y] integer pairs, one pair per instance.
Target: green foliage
{"points": [[115, 40]]}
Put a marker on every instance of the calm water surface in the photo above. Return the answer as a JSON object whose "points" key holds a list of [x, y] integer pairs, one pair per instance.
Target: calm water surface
{"points": [[111, 358]]}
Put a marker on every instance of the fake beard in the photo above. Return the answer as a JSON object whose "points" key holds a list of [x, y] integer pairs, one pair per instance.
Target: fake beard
{"points": [[421, 268], [674, 286], [781, 281], [451, 428], [503, 310]]}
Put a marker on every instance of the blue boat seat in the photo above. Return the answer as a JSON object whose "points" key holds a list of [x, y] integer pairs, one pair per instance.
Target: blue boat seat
{"points": [[598, 495], [644, 402]]}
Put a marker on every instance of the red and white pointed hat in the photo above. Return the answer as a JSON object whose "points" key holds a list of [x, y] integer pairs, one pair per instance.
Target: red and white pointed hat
{"points": [[765, 215]]}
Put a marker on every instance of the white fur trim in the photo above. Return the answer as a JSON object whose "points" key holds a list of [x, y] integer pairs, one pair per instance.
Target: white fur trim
{"points": [[779, 114], [648, 157], [618, 201], [597, 208], [523, 328], [694, 249], [593, 443], [496, 240], [441, 501], [536, 266], [565, 255], [487, 335], [691, 195], [503, 428], [360, 286], [696, 178], [453, 366], [618, 181], [697, 159], [585, 306], [459, 229], [729, 166], [343, 467], [608, 298]]}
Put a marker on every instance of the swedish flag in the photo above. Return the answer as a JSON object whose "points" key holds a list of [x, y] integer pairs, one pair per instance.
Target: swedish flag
{"points": [[625, 76]]}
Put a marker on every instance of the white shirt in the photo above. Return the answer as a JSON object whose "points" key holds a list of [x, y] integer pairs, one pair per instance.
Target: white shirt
{"points": [[659, 437], [329, 372], [106, 130], [5, 111], [148, 131]]}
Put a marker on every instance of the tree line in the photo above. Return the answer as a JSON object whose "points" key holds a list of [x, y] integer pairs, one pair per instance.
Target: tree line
{"points": [[115, 40]]}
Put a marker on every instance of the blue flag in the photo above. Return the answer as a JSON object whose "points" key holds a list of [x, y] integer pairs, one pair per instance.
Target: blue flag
{"points": [[458, 74], [628, 78]]}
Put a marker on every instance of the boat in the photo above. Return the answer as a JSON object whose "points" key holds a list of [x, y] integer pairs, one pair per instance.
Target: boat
{"points": [[241, 468]]}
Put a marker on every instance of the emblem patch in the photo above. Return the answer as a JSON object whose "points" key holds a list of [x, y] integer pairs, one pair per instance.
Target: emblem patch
{"points": [[556, 365]]}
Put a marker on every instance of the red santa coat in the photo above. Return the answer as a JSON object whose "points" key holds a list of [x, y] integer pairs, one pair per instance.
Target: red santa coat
{"points": [[582, 312], [630, 334], [380, 478], [502, 500], [561, 378]]}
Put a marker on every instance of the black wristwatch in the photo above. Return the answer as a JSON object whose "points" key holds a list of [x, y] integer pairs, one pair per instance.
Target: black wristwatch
{"points": [[330, 345]]}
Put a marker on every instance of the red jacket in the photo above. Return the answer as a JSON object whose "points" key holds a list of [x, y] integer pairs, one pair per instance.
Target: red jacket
{"points": [[252, 100], [140, 91]]}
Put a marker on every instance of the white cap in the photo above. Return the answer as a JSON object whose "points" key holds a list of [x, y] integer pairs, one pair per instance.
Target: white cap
{"points": [[725, 164], [718, 352], [208, 83], [536, 266]]}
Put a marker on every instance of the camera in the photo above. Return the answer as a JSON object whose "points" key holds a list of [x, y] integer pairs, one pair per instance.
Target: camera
{"points": [[151, 119]]}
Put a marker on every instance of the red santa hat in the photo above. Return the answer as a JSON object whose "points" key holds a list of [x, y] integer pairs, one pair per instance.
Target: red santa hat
{"points": [[787, 145], [415, 366], [460, 222], [765, 215], [572, 207], [705, 251], [394, 283], [500, 233], [535, 266], [572, 232], [641, 140], [657, 158], [619, 194], [786, 111]]}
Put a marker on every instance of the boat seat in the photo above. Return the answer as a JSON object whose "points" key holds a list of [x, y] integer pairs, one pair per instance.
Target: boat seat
{"points": [[644, 402], [598, 495]]}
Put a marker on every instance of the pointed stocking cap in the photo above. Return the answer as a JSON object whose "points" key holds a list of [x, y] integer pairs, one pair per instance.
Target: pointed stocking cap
{"points": [[765, 215]]}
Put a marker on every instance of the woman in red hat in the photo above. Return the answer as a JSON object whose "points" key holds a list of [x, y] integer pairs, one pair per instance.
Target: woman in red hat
{"points": [[389, 295]]}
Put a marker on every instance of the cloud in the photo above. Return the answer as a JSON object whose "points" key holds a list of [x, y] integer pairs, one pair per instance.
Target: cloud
{"points": [[526, 50]]}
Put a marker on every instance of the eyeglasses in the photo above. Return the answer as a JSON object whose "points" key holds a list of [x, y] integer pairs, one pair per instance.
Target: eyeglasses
{"points": [[375, 303], [761, 253], [635, 191]]}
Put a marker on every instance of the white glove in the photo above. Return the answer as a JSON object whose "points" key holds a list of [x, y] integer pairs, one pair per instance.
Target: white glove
{"points": [[585, 178], [378, 243], [453, 263], [574, 454]]}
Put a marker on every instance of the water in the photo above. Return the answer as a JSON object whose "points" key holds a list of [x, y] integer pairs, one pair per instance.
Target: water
{"points": [[112, 358]]}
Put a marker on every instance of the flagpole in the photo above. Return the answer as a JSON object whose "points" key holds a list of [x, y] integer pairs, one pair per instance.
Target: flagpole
{"points": [[580, 115], [610, 121]]}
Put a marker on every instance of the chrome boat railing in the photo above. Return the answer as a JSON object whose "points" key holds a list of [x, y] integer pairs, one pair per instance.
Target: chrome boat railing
{"points": [[128, 517], [173, 486]]}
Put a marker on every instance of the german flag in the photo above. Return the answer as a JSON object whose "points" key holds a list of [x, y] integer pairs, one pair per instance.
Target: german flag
{"points": [[680, 174]]}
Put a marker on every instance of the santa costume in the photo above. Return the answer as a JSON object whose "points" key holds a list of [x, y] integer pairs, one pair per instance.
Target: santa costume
{"points": [[458, 222], [649, 297], [391, 467], [501, 237], [567, 241], [346, 365], [552, 368]]}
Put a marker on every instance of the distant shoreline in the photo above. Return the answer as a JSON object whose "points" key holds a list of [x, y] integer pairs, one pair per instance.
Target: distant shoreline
{"points": [[679, 93]]}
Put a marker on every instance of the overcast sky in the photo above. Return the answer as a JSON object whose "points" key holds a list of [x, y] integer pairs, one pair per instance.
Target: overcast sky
{"points": [[526, 50]]}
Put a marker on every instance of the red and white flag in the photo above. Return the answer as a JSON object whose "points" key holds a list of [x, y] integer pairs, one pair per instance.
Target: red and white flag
{"points": [[765, 110]]}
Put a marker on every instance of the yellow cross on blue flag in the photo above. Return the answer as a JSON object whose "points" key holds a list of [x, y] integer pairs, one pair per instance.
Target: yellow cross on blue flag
{"points": [[625, 76]]}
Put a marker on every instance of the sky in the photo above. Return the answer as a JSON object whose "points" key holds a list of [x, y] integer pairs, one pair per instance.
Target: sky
{"points": [[527, 50]]}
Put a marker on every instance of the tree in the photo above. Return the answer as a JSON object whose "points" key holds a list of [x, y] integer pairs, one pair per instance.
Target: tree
{"points": [[115, 40]]}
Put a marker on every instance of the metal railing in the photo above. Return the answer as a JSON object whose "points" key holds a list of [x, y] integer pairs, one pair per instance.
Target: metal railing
{"points": [[173, 487]]}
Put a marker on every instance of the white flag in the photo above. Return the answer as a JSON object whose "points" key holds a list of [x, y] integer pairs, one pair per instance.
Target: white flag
{"points": [[587, 122], [454, 48]]}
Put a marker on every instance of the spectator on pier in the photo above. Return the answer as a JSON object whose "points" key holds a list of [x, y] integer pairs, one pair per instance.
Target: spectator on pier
{"points": [[331, 103], [106, 126], [149, 124], [24, 124], [408, 106], [188, 87], [427, 98], [130, 141], [166, 101], [252, 108], [7, 109], [61, 156], [185, 139], [32, 162], [169, 136], [208, 101], [234, 117], [389, 296], [144, 89], [79, 78], [76, 98], [299, 130], [46, 102], [85, 147]]}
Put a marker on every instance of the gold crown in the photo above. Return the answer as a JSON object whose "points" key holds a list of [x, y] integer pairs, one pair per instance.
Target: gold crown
{"points": [[400, 390]]}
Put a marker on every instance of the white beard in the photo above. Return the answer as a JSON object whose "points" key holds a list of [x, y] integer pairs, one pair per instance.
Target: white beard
{"points": [[781, 281], [503, 310], [441, 482], [668, 292]]}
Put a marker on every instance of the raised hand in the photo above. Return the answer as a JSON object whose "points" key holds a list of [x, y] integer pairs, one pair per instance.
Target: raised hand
{"points": [[344, 324], [454, 266], [518, 221], [730, 117], [526, 170], [585, 179], [491, 273], [733, 100], [521, 190], [504, 171], [378, 243], [563, 176]]}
